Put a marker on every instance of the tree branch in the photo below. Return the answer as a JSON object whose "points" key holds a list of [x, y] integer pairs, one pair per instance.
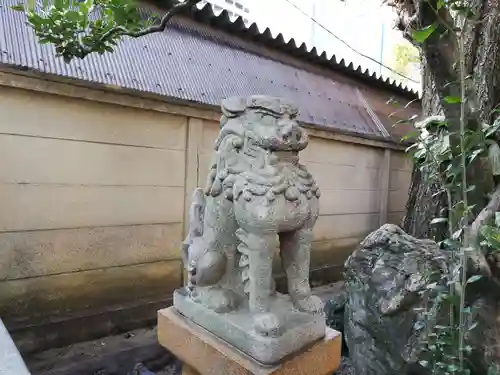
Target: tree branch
{"points": [[484, 216], [122, 31], [477, 257]]}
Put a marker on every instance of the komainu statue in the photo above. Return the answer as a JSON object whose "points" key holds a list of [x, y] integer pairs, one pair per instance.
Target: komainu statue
{"points": [[258, 198]]}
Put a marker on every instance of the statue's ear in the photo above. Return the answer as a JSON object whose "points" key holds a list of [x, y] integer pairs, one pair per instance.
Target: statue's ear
{"points": [[233, 107]]}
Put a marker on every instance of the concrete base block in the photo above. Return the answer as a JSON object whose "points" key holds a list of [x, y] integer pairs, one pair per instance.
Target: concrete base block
{"points": [[205, 354], [236, 328]]}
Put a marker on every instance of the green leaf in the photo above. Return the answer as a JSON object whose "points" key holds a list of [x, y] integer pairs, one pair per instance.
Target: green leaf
{"points": [[452, 368], [440, 327], [392, 100], [472, 326], [474, 155], [423, 363], [421, 35], [452, 99], [437, 193], [399, 122], [465, 10], [455, 236], [410, 148], [438, 220], [473, 279], [410, 135], [470, 188], [431, 286], [18, 7]]}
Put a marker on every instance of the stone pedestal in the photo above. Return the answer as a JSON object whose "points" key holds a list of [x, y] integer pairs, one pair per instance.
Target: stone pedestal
{"points": [[300, 329], [202, 353]]}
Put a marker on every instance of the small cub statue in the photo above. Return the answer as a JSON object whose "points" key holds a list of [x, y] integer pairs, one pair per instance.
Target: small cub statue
{"points": [[258, 199]]}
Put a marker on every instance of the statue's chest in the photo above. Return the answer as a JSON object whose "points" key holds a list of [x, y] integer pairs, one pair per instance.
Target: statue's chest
{"points": [[278, 196], [290, 174], [286, 180], [297, 183]]}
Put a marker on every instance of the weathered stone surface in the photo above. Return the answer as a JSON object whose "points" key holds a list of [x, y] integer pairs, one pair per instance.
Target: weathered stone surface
{"points": [[206, 354], [297, 327], [335, 312], [383, 278], [258, 197], [387, 281], [346, 367]]}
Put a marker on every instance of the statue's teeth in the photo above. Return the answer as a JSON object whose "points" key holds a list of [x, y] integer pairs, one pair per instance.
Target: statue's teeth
{"points": [[243, 261], [244, 275]]}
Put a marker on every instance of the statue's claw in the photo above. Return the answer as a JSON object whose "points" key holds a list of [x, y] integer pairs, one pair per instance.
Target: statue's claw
{"points": [[216, 299], [310, 304], [268, 324]]}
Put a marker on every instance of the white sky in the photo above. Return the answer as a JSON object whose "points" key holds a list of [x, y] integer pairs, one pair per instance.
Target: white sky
{"points": [[360, 23]]}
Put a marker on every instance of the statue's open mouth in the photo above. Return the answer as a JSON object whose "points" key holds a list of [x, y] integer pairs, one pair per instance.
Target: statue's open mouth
{"points": [[287, 156], [283, 144]]}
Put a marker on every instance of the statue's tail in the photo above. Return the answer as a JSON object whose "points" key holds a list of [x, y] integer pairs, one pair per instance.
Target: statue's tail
{"points": [[196, 219]]}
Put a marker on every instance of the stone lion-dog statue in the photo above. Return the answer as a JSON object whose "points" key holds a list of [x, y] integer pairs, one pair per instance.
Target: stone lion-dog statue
{"points": [[258, 197]]}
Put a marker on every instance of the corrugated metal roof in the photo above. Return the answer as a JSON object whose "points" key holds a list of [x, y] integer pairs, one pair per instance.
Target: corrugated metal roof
{"points": [[191, 62], [206, 14]]}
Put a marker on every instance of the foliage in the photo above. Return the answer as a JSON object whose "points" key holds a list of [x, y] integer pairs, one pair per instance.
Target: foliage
{"points": [[433, 154], [445, 153], [406, 58], [80, 27]]}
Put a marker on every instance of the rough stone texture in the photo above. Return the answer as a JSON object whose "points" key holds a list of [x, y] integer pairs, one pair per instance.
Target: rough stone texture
{"points": [[335, 314], [346, 367], [483, 297], [383, 278], [258, 197], [206, 354], [298, 327]]}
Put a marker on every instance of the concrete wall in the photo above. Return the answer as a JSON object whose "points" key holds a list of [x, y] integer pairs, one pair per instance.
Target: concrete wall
{"points": [[400, 178], [94, 195], [92, 206]]}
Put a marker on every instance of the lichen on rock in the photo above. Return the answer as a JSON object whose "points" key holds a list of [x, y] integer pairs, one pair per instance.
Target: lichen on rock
{"points": [[386, 281]]}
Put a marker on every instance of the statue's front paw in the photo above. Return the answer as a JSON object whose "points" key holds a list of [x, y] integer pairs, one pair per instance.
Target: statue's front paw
{"points": [[310, 304], [223, 302], [216, 299], [268, 324]]}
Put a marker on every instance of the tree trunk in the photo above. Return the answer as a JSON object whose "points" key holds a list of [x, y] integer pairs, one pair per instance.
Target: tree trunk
{"points": [[440, 70], [424, 203], [440, 79]]}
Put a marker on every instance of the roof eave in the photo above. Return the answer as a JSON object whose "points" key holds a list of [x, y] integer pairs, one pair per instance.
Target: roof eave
{"points": [[213, 109], [207, 16]]}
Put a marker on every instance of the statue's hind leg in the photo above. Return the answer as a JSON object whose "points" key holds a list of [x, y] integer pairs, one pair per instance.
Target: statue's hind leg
{"points": [[219, 239]]}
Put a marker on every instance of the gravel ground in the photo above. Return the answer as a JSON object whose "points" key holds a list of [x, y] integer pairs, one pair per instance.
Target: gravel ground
{"points": [[112, 355], [118, 355]]}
